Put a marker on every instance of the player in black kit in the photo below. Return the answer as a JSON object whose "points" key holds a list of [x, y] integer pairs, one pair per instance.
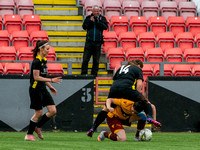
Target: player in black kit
{"points": [[128, 82], [39, 95]]}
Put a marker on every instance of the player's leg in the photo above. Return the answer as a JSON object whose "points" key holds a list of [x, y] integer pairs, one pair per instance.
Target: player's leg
{"points": [[100, 118], [33, 122], [86, 57]]}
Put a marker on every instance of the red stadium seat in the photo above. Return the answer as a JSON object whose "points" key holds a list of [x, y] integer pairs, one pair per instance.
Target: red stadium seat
{"points": [[51, 55], [149, 8], [154, 55], [146, 40], [160, 1], [166, 40], [135, 53], [13, 68], [182, 70], [187, 9], [110, 40], [1, 23], [176, 25], [7, 7], [12, 23], [55, 69], [197, 39], [192, 55], [196, 70], [119, 24], [20, 39], [25, 53], [25, 7], [26, 67], [1, 69], [31, 23], [167, 70], [147, 71], [185, 40], [157, 24], [127, 40], [8, 53], [112, 8], [168, 8], [115, 56], [4, 38], [173, 55], [138, 24], [131, 8], [90, 3], [193, 25], [178, 1], [38, 35]]}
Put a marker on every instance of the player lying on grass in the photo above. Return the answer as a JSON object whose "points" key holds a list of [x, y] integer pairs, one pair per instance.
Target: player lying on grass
{"points": [[124, 113]]}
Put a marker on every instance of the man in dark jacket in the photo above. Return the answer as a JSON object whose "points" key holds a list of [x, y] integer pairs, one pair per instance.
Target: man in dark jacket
{"points": [[94, 24]]}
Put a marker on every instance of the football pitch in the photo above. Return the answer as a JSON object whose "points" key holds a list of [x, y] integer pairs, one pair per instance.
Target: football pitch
{"points": [[79, 141]]}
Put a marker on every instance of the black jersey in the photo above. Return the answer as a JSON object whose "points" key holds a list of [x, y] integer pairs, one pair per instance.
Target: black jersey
{"points": [[127, 76], [41, 65]]}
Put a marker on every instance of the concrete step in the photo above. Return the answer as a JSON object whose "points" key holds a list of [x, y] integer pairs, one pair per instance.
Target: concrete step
{"points": [[100, 72], [67, 33], [67, 42], [69, 49], [62, 26], [55, 2], [78, 66], [60, 11], [60, 18]]}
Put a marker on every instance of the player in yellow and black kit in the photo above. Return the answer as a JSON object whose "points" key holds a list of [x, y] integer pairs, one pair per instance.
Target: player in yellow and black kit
{"points": [[124, 110], [128, 82], [39, 95]]}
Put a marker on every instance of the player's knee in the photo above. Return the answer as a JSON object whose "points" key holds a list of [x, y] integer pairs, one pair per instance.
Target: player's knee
{"points": [[53, 112], [122, 138]]}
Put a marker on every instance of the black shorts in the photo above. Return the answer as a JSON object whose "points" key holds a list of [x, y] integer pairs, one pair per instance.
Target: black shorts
{"points": [[125, 93], [40, 98]]}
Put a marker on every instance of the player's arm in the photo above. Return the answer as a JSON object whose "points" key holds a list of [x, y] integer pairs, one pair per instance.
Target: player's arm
{"points": [[108, 104], [139, 85]]}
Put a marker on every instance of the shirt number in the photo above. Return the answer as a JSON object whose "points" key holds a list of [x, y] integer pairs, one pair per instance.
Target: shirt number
{"points": [[124, 69]]}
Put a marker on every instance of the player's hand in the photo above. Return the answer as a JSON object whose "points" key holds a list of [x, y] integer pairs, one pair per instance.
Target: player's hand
{"points": [[56, 80], [53, 90], [110, 109]]}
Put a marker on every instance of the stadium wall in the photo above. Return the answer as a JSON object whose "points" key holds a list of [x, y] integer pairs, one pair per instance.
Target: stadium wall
{"points": [[74, 103], [177, 102]]}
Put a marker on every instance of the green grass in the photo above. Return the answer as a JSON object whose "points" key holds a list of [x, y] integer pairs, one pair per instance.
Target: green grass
{"points": [[79, 141]]}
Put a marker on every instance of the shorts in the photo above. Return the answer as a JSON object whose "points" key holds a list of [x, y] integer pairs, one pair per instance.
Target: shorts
{"points": [[114, 124], [125, 93], [40, 98]]}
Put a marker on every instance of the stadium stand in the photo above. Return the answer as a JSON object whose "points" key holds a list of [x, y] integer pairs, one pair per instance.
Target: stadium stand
{"points": [[89, 4], [38, 35], [147, 71], [154, 55], [193, 25], [149, 8], [187, 9], [185, 40], [147, 40], [55, 69], [112, 8], [197, 40], [182, 70], [13, 68], [25, 54], [192, 55], [196, 70], [167, 70], [110, 40], [1, 69]]}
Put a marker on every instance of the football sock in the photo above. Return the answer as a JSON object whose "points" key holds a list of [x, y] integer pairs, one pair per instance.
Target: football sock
{"points": [[100, 118], [42, 121], [148, 110], [111, 136], [32, 126], [140, 126]]}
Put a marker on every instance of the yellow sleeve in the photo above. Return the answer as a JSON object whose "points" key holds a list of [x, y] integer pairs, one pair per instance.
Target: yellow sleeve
{"points": [[117, 102]]}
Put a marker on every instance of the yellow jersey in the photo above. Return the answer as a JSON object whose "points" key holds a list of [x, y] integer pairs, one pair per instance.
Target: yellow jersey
{"points": [[122, 110]]}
